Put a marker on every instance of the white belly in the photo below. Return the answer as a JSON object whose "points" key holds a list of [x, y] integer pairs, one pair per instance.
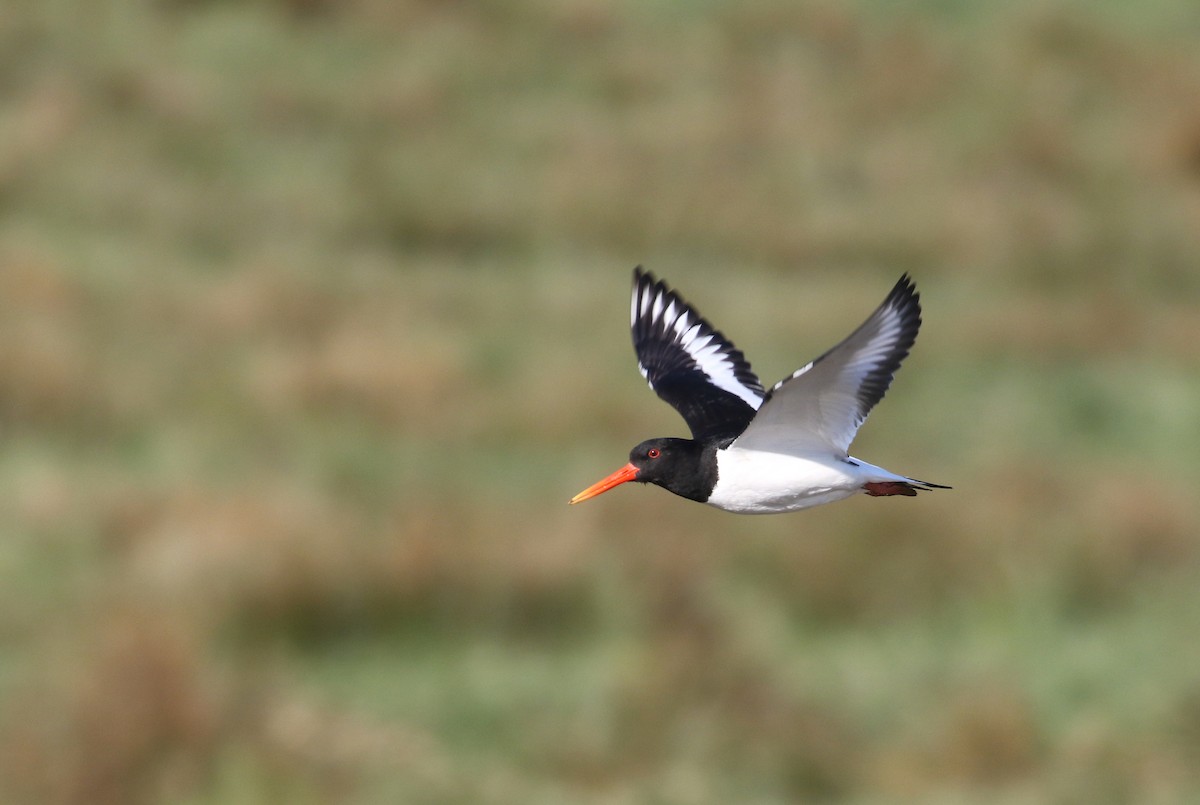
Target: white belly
{"points": [[753, 482]]}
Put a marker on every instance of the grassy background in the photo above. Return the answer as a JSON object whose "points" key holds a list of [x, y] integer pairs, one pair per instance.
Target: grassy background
{"points": [[312, 317]]}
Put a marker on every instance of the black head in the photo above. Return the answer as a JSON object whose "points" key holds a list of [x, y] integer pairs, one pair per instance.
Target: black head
{"points": [[681, 466], [657, 459]]}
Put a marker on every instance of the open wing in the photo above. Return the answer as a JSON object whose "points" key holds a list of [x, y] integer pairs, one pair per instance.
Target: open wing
{"points": [[690, 364], [822, 405]]}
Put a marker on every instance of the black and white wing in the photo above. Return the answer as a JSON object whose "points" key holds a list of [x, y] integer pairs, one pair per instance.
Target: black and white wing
{"points": [[822, 405], [690, 364]]}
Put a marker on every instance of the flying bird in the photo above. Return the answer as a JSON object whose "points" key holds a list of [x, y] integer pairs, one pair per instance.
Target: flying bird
{"points": [[755, 451]]}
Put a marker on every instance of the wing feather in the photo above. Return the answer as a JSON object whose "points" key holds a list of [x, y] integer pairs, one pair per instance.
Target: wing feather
{"points": [[823, 404], [690, 364]]}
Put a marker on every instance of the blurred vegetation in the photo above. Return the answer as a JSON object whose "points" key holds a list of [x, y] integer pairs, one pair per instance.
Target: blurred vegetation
{"points": [[312, 317]]}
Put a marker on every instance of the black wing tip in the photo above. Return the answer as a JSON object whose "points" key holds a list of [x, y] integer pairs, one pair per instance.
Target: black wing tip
{"points": [[904, 294], [905, 300], [644, 282], [906, 303]]}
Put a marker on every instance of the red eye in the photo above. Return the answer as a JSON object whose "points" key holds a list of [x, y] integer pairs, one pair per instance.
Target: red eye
{"points": [[652, 453]]}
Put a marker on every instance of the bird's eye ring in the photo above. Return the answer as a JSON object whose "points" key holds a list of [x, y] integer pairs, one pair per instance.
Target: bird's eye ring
{"points": [[652, 453]]}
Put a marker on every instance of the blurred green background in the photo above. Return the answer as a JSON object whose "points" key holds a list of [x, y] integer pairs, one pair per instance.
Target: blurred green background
{"points": [[313, 315]]}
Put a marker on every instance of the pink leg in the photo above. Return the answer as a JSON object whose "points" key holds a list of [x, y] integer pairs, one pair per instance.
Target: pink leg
{"points": [[879, 489]]}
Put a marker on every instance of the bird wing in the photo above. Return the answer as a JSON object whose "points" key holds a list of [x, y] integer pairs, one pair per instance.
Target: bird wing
{"points": [[821, 406], [689, 363]]}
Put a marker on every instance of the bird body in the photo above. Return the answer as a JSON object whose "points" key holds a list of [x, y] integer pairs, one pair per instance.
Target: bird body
{"points": [[755, 482], [755, 451]]}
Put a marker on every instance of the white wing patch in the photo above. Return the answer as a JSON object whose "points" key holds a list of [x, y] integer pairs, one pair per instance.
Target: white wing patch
{"points": [[792, 376]]}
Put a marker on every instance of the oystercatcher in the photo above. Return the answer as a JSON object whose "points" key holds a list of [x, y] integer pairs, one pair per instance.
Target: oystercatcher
{"points": [[754, 451]]}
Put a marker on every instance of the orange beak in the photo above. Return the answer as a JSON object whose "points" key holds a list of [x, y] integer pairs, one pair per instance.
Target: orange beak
{"points": [[626, 473]]}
